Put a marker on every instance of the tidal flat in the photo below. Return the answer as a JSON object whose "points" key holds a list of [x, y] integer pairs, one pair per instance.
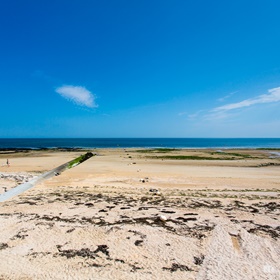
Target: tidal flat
{"points": [[132, 214]]}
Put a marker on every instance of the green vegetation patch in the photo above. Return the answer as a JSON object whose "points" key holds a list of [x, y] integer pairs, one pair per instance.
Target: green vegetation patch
{"points": [[79, 160], [232, 154], [180, 157], [158, 150], [268, 149]]}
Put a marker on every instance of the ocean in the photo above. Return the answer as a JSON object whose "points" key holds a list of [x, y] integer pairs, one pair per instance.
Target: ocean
{"points": [[225, 143]]}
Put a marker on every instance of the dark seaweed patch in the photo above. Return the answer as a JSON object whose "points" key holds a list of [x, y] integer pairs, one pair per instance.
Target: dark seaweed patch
{"points": [[27, 202], [95, 265], [186, 219], [3, 246], [168, 211], [198, 260], [103, 249], [205, 204], [190, 214], [273, 232], [134, 267], [19, 235], [89, 204], [138, 242], [176, 266], [57, 219], [84, 253]]}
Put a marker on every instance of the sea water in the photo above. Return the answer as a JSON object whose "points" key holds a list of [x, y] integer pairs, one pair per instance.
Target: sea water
{"points": [[37, 143]]}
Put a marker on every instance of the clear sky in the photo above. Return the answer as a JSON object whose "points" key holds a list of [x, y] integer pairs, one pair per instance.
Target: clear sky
{"points": [[140, 68]]}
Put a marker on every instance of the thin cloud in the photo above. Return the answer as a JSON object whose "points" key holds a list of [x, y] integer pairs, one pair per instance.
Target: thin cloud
{"points": [[195, 115], [230, 110], [78, 95], [220, 115], [182, 113], [272, 96], [227, 96]]}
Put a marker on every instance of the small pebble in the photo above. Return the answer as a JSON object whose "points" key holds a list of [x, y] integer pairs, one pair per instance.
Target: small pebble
{"points": [[162, 218]]}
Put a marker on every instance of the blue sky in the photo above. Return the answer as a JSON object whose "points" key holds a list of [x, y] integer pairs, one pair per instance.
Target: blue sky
{"points": [[139, 68]]}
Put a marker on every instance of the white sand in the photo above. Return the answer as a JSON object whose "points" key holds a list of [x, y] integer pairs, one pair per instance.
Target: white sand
{"points": [[100, 221]]}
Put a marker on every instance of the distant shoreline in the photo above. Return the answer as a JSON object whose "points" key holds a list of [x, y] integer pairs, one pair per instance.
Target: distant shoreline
{"points": [[13, 150], [147, 143]]}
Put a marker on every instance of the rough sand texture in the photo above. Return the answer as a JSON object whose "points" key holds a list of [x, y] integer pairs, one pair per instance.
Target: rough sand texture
{"points": [[101, 221]]}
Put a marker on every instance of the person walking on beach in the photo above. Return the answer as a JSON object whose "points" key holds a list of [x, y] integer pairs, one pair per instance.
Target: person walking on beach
{"points": [[8, 163]]}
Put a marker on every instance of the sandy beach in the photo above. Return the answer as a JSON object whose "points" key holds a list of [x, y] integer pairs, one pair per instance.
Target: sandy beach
{"points": [[142, 214]]}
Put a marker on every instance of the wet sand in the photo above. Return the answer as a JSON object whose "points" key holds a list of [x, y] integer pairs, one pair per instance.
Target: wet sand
{"points": [[104, 218]]}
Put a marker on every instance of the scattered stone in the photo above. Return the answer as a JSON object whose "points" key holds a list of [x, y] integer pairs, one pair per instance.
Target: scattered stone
{"points": [[162, 218], [154, 190], [233, 232]]}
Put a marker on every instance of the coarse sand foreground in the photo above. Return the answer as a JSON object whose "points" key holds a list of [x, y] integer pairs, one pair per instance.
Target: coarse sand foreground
{"points": [[105, 219]]}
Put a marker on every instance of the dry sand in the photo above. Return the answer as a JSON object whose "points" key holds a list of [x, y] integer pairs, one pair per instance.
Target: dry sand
{"points": [[100, 220]]}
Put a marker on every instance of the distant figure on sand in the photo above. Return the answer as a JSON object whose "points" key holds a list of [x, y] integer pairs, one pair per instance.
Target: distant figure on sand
{"points": [[8, 163]]}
